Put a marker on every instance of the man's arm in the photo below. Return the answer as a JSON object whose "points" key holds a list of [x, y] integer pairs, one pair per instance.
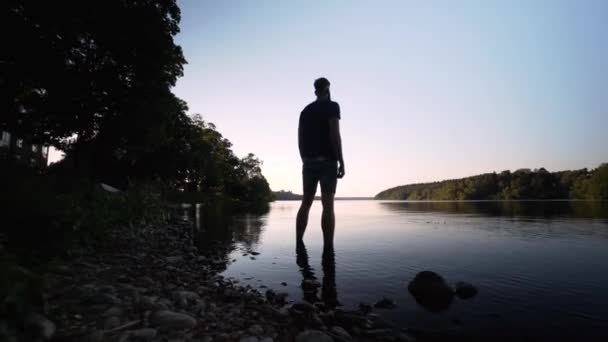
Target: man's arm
{"points": [[336, 144], [300, 142]]}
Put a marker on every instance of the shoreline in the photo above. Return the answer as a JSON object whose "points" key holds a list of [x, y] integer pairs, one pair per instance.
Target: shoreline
{"points": [[153, 285]]}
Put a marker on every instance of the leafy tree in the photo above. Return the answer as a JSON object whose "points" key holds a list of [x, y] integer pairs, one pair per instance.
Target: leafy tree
{"points": [[521, 184]]}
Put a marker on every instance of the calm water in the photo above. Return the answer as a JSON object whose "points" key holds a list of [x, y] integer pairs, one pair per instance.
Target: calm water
{"points": [[540, 267]]}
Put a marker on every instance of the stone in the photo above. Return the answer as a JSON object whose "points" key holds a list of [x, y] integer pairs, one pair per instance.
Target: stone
{"points": [[249, 339], [172, 320], [107, 289], [95, 336], [62, 270], [385, 303], [173, 259], [256, 329], [128, 290], [465, 290], [102, 298], [303, 306], [313, 336], [40, 325], [113, 311], [146, 302], [144, 334], [365, 308], [185, 295], [283, 283], [340, 333], [431, 291], [111, 323], [405, 337], [267, 339], [379, 333]]}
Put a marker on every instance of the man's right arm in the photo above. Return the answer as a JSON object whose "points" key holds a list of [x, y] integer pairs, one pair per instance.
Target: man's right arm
{"points": [[336, 143], [300, 140]]}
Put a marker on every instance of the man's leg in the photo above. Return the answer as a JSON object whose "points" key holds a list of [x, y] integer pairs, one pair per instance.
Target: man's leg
{"points": [[328, 218], [302, 218]]}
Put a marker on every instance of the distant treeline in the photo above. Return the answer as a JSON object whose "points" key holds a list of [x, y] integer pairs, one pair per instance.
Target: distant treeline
{"points": [[283, 195], [522, 184]]}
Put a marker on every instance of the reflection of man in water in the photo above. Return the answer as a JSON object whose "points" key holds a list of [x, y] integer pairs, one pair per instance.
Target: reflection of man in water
{"points": [[329, 294], [321, 151]]}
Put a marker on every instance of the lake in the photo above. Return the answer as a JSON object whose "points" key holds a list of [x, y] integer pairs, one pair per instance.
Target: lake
{"points": [[540, 267]]}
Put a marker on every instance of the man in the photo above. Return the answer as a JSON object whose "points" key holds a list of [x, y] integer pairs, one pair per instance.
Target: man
{"points": [[321, 151]]}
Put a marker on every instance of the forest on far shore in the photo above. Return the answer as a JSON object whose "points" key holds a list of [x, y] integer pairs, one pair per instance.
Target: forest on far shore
{"points": [[523, 184]]}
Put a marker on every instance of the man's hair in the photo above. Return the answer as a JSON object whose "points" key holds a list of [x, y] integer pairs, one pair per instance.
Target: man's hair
{"points": [[321, 84]]}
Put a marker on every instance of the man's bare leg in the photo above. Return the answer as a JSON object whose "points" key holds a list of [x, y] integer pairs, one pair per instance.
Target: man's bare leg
{"points": [[328, 219], [302, 218]]}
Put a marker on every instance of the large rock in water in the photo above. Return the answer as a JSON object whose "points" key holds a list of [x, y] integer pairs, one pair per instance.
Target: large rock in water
{"points": [[465, 290], [431, 291]]}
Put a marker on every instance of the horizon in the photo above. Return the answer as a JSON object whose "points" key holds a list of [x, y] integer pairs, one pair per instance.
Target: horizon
{"points": [[428, 91]]}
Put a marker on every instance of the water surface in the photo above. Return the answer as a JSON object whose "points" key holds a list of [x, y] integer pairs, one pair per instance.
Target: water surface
{"points": [[540, 266]]}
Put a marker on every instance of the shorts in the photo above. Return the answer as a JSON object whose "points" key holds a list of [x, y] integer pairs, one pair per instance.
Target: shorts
{"points": [[320, 171]]}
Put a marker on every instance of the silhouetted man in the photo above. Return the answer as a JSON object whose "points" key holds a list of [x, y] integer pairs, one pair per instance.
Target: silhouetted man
{"points": [[321, 151]]}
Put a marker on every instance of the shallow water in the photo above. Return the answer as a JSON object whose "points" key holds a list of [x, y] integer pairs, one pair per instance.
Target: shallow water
{"points": [[540, 267]]}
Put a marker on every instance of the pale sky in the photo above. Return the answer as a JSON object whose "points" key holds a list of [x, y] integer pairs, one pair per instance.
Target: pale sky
{"points": [[429, 90]]}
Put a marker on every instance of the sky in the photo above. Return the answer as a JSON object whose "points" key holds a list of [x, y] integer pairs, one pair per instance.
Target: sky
{"points": [[429, 90]]}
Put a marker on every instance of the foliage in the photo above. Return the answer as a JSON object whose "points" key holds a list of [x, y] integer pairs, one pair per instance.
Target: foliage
{"points": [[94, 79], [519, 185], [55, 219]]}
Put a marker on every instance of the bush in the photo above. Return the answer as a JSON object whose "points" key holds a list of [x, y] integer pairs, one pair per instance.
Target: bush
{"points": [[43, 218]]}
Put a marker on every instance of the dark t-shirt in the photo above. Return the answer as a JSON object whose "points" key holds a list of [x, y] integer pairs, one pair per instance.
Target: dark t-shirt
{"points": [[314, 129]]}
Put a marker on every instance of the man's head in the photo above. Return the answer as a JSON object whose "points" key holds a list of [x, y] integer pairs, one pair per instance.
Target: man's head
{"points": [[322, 88]]}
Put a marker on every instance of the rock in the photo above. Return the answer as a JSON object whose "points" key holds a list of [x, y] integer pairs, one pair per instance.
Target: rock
{"points": [[249, 339], [144, 334], [405, 337], [256, 329], [173, 259], [102, 298], [111, 323], [95, 336], [303, 306], [62, 270], [128, 290], [40, 325], [365, 308], [379, 333], [107, 289], [172, 320], [316, 322], [147, 302], [340, 333], [254, 253], [184, 295], [266, 339], [465, 290], [313, 336], [270, 295], [113, 311], [431, 291], [385, 303], [283, 283]]}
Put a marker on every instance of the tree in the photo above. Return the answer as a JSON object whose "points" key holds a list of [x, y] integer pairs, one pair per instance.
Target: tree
{"points": [[89, 68]]}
